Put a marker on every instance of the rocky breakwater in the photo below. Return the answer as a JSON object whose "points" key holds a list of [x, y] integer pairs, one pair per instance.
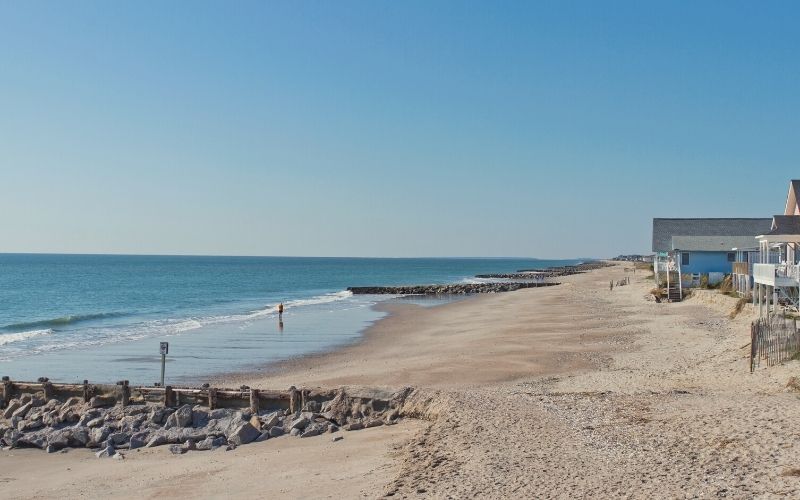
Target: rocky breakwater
{"points": [[452, 289], [551, 272], [52, 425]]}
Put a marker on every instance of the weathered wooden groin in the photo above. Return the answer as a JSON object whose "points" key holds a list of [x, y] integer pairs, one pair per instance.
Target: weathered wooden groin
{"points": [[452, 289], [54, 416]]}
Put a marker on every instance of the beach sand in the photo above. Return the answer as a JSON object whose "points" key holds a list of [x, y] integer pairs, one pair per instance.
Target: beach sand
{"points": [[564, 391]]}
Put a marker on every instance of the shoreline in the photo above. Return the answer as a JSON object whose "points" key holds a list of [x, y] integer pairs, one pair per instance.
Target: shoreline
{"points": [[334, 367], [655, 399]]}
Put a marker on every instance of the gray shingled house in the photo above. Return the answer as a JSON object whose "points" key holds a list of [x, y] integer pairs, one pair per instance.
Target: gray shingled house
{"points": [[696, 248]]}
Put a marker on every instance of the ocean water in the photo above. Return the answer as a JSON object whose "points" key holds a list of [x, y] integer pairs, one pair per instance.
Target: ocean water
{"points": [[101, 317]]}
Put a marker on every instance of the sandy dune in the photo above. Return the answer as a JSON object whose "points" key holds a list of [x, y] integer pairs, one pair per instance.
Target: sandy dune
{"points": [[559, 392]]}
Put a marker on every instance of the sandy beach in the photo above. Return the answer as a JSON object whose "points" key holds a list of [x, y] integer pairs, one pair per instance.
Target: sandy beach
{"points": [[566, 391]]}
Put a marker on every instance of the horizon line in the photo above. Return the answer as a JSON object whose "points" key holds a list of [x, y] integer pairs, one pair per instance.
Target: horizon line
{"points": [[121, 254]]}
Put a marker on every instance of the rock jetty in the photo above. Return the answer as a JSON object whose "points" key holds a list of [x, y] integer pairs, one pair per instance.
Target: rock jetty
{"points": [[550, 272], [52, 425], [452, 289]]}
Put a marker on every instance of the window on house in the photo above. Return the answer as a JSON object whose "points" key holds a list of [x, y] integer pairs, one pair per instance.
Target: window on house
{"points": [[731, 256], [685, 259]]}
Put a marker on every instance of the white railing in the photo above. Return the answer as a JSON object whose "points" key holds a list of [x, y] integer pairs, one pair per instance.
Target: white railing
{"points": [[787, 271], [770, 273], [664, 266], [764, 273]]}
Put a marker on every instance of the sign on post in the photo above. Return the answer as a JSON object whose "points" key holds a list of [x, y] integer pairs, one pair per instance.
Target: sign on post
{"points": [[164, 349]]}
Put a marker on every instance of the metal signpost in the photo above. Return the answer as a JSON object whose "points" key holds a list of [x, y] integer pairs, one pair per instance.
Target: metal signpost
{"points": [[164, 351]]}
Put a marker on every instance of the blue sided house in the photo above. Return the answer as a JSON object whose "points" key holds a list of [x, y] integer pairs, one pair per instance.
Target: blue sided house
{"points": [[689, 251]]}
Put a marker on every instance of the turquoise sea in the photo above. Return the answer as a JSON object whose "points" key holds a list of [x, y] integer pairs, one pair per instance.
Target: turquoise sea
{"points": [[101, 317]]}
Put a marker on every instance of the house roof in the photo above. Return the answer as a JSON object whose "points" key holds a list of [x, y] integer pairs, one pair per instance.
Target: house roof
{"points": [[665, 229], [792, 198], [784, 225], [712, 243]]}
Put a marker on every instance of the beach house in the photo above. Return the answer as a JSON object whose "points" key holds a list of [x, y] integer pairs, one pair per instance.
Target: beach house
{"points": [[692, 251], [776, 273]]}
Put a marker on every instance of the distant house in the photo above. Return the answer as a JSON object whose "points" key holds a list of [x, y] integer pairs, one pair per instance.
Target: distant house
{"points": [[689, 251]]}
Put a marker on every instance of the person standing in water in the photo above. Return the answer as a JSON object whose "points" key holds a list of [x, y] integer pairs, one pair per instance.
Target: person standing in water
{"points": [[280, 309]]}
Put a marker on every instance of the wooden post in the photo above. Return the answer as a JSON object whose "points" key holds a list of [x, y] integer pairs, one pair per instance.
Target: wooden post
{"points": [[303, 398], [8, 389], [168, 396], [86, 393], [212, 398], [293, 400], [254, 401], [125, 389], [47, 388]]}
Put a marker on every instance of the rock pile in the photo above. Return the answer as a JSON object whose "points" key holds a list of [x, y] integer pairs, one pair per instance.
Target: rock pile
{"points": [[32, 421], [550, 272], [454, 289]]}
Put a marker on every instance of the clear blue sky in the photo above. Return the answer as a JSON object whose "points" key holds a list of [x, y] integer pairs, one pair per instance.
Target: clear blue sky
{"points": [[543, 129]]}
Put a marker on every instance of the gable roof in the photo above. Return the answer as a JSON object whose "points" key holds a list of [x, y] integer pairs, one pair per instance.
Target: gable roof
{"points": [[713, 243], [785, 225], [665, 229], [791, 198]]}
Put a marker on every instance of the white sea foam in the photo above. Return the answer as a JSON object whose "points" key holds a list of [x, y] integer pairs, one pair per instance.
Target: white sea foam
{"points": [[96, 336], [9, 338]]}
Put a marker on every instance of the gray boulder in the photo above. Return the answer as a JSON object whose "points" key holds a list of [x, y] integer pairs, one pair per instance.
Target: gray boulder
{"points": [[219, 414], [119, 438], [11, 437], [312, 430], [79, 437], [131, 423], [373, 423], [102, 401], [95, 422], [206, 444], [29, 425], [13, 406], [181, 418], [158, 415], [299, 423], [275, 431], [353, 426], [177, 449], [36, 439], [22, 410], [200, 417], [138, 440], [99, 434], [271, 420], [243, 434], [51, 418], [88, 416], [157, 440], [295, 432], [106, 452], [59, 439]]}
